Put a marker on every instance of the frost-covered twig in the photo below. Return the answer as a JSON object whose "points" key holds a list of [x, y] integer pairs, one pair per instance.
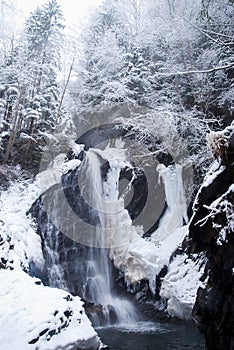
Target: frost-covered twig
{"points": [[204, 220], [205, 71]]}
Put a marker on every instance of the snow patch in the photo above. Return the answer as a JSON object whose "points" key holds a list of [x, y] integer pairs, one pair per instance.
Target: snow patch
{"points": [[179, 286], [17, 230], [70, 165]]}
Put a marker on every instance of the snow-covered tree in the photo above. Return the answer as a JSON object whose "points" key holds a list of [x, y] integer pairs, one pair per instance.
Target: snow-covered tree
{"points": [[29, 88], [44, 42]]}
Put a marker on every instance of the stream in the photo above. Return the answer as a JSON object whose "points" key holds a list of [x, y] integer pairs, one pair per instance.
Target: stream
{"points": [[152, 335]]}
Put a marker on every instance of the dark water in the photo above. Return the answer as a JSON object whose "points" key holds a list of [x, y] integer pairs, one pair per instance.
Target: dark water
{"points": [[152, 336]]}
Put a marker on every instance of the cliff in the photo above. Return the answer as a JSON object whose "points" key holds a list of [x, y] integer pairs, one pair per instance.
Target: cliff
{"points": [[211, 232]]}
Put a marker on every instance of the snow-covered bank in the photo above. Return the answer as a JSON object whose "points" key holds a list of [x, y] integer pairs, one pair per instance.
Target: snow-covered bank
{"points": [[20, 243], [144, 260], [37, 317], [33, 316], [179, 287]]}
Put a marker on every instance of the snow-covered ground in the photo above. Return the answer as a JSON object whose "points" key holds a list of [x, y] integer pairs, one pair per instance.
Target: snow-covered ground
{"points": [[37, 317], [33, 316]]}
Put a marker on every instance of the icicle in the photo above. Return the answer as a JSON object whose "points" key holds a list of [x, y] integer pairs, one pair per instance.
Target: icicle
{"points": [[175, 198]]}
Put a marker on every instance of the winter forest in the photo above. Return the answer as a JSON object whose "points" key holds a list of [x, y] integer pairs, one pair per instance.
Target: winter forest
{"points": [[162, 72]]}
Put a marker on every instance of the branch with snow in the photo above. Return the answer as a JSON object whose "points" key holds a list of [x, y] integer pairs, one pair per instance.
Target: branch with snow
{"points": [[205, 71]]}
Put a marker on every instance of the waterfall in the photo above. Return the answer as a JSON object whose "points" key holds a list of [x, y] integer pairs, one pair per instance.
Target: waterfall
{"points": [[103, 195], [78, 259], [89, 208], [55, 273]]}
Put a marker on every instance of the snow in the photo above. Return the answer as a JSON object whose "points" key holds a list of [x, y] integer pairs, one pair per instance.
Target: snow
{"points": [[52, 175], [175, 198], [25, 136], [140, 259], [76, 148], [29, 309], [224, 207], [179, 286], [17, 229], [16, 226], [212, 174], [70, 165], [222, 237], [143, 259], [4, 133]]}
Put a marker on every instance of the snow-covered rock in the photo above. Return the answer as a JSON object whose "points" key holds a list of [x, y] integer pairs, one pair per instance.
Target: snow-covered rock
{"points": [[179, 286], [211, 232], [37, 317], [144, 259]]}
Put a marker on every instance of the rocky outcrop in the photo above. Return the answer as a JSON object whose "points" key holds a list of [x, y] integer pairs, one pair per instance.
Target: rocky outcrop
{"points": [[211, 230]]}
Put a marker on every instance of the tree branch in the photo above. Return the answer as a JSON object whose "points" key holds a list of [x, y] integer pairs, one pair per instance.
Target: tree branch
{"points": [[220, 43], [206, 71]]}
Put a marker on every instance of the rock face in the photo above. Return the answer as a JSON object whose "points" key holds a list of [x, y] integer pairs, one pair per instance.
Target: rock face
{"points": [[62, 254], [211, 231]]}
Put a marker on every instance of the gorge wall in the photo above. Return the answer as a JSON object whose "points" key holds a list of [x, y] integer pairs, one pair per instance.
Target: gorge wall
{"points": [[211, 231]]}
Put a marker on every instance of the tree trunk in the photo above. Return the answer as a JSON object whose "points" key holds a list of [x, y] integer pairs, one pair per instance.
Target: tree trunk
{"points": [[65, 88], [13, 134]]}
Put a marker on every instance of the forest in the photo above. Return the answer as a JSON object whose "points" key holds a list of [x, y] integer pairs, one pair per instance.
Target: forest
{"points": [[173, 57]]}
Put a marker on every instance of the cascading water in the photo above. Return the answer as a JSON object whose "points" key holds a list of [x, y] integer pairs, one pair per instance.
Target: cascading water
{"points": [[55, 274], [103, 195]]}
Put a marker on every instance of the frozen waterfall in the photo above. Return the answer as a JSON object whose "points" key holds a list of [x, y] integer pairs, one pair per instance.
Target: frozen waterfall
{"points": [[176, 213]]}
